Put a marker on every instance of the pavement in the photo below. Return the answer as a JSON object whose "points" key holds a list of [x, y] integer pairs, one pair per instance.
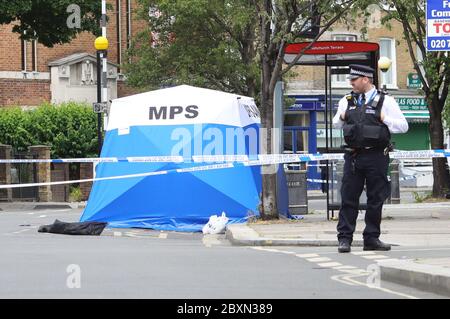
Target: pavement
{"points": [[421, 225]]}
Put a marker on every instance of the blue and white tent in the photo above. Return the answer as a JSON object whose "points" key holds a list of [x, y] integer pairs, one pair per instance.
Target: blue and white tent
{"points": [[182, 121]]}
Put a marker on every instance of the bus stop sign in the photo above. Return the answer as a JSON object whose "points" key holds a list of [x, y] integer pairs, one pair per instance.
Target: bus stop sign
{"points": [[438, 25]]}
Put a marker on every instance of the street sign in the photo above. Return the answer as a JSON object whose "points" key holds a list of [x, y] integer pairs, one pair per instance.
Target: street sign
{"points": [[414, 81], [412, 103], [438, 25], [101, 107], [302, 106]]}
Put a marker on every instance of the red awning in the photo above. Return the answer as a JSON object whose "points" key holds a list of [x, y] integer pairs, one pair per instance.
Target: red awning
{"points": [[332, 52]]}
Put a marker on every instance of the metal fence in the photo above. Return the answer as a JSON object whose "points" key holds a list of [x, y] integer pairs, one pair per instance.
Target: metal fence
{"points": [[22, 173]]}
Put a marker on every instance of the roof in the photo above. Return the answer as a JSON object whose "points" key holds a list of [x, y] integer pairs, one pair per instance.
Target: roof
{"points": [[76, 58]]}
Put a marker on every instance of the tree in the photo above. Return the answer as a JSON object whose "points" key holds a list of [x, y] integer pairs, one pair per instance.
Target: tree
{"points": [[281, 22], [208, 43], [51, 21], [235, 45], [434, 72]]}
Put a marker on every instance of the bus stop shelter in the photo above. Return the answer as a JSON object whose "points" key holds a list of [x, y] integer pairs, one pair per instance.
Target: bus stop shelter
{"points": [[335, 57]]}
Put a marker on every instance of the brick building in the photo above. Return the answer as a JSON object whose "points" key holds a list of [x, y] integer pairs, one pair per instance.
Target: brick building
{"points": [[305, 128], [25, 66], [401, 82]]}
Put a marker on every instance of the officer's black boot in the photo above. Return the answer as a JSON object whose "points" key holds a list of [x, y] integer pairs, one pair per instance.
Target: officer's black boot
{"points": [[376, 244], [344, 246]]}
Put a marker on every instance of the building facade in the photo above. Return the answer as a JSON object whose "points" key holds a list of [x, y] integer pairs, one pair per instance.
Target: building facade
{"points": [[305, 128], [401, 81], [31, 73]]}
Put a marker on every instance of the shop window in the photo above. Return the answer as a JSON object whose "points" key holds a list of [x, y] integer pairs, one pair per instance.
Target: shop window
{"points": [[340, 80], [387, 49]]}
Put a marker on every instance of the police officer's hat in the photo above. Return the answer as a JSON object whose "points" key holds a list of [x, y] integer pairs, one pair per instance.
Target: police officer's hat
{"points": [[357, 70]]}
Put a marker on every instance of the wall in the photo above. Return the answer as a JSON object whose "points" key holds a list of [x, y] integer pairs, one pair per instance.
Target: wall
{"points": [[35, 90], [24, 92]]}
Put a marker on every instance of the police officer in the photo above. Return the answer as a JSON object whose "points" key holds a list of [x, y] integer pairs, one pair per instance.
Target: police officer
{"points": [[367, 117]]}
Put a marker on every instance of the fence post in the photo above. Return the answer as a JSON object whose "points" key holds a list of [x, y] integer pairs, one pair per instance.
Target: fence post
{"points": [[395, 182], [42, 171], [86, 172], [5, 173]]}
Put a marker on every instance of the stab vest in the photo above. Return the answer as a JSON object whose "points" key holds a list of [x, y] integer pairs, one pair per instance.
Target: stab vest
{"points": [[363, 126]]}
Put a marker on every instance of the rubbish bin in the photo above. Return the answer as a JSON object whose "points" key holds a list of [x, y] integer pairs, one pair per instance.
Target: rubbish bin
{"points": [[297, 189]]}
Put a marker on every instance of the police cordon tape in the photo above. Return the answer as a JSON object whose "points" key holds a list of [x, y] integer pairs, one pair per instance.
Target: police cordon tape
{"points": [[239, 160], [277, 158], [406, 178]]}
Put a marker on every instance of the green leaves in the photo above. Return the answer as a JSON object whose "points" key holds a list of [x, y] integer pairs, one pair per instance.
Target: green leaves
{"points": [[207, 43], [69, 128], [47, 20]]}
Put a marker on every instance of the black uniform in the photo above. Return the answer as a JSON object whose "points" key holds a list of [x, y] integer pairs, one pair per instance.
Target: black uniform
{"points": [[366, 161]]}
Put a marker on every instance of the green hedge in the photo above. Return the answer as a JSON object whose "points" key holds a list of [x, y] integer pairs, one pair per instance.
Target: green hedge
{"points": [[70, 129]]}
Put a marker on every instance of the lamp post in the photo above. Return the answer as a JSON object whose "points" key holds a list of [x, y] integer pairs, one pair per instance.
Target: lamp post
{"points": [[384, 63], [101, 45]]}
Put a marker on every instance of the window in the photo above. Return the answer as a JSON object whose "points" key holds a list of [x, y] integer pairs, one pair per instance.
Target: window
{"points": [[419, 57], [341, 79], [387, 49]]}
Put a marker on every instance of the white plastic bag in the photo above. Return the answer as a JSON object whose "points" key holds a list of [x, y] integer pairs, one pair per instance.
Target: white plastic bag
{"points": [[216, 224]]}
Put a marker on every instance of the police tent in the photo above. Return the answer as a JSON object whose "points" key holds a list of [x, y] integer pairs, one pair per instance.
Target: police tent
{"points": [[181, 121]]}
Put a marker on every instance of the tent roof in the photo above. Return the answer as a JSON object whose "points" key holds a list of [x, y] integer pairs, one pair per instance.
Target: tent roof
{"points": [[182, 105], [180, 89]]}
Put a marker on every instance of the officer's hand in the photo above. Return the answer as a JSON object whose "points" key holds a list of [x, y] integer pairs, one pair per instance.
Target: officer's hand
{"points": [[342, 116], [382, 116]]}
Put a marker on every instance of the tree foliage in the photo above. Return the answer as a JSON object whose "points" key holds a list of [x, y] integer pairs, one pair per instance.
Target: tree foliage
{"points": [[46, 20], [69, 129], [207, 43], [233, 45]]}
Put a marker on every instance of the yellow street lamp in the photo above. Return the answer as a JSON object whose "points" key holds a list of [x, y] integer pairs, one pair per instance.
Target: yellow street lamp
{"points": [[384, 63], [101, 44]]}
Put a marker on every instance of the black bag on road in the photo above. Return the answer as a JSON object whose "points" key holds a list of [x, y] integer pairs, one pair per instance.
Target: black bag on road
{"points": [[81, 228]]}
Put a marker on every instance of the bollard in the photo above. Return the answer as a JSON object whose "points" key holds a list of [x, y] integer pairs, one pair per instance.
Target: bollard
{"points": [[5, 173], [43, 171], [395, 182]]}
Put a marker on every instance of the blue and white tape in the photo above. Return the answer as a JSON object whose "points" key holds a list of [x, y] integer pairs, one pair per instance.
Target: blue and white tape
{"points": [[229, 162], [268, 158], [406, 178]]}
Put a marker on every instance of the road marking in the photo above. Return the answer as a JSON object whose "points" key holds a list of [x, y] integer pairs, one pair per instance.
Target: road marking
{"points": [[375, 257], [344, 267], [330, 264], [349, 278], [271, 250], [162, 235], [30, 213], [390, 259], [350, 272], [42, 216], [356, 271], [318, 259], [421, 249], [287, 252], [362, 253], [340, 278], [21, 231], [306, 255], [117, 234]]}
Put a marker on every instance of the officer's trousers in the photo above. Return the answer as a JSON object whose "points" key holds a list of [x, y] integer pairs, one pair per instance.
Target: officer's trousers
{"points": [[370, 167]]}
